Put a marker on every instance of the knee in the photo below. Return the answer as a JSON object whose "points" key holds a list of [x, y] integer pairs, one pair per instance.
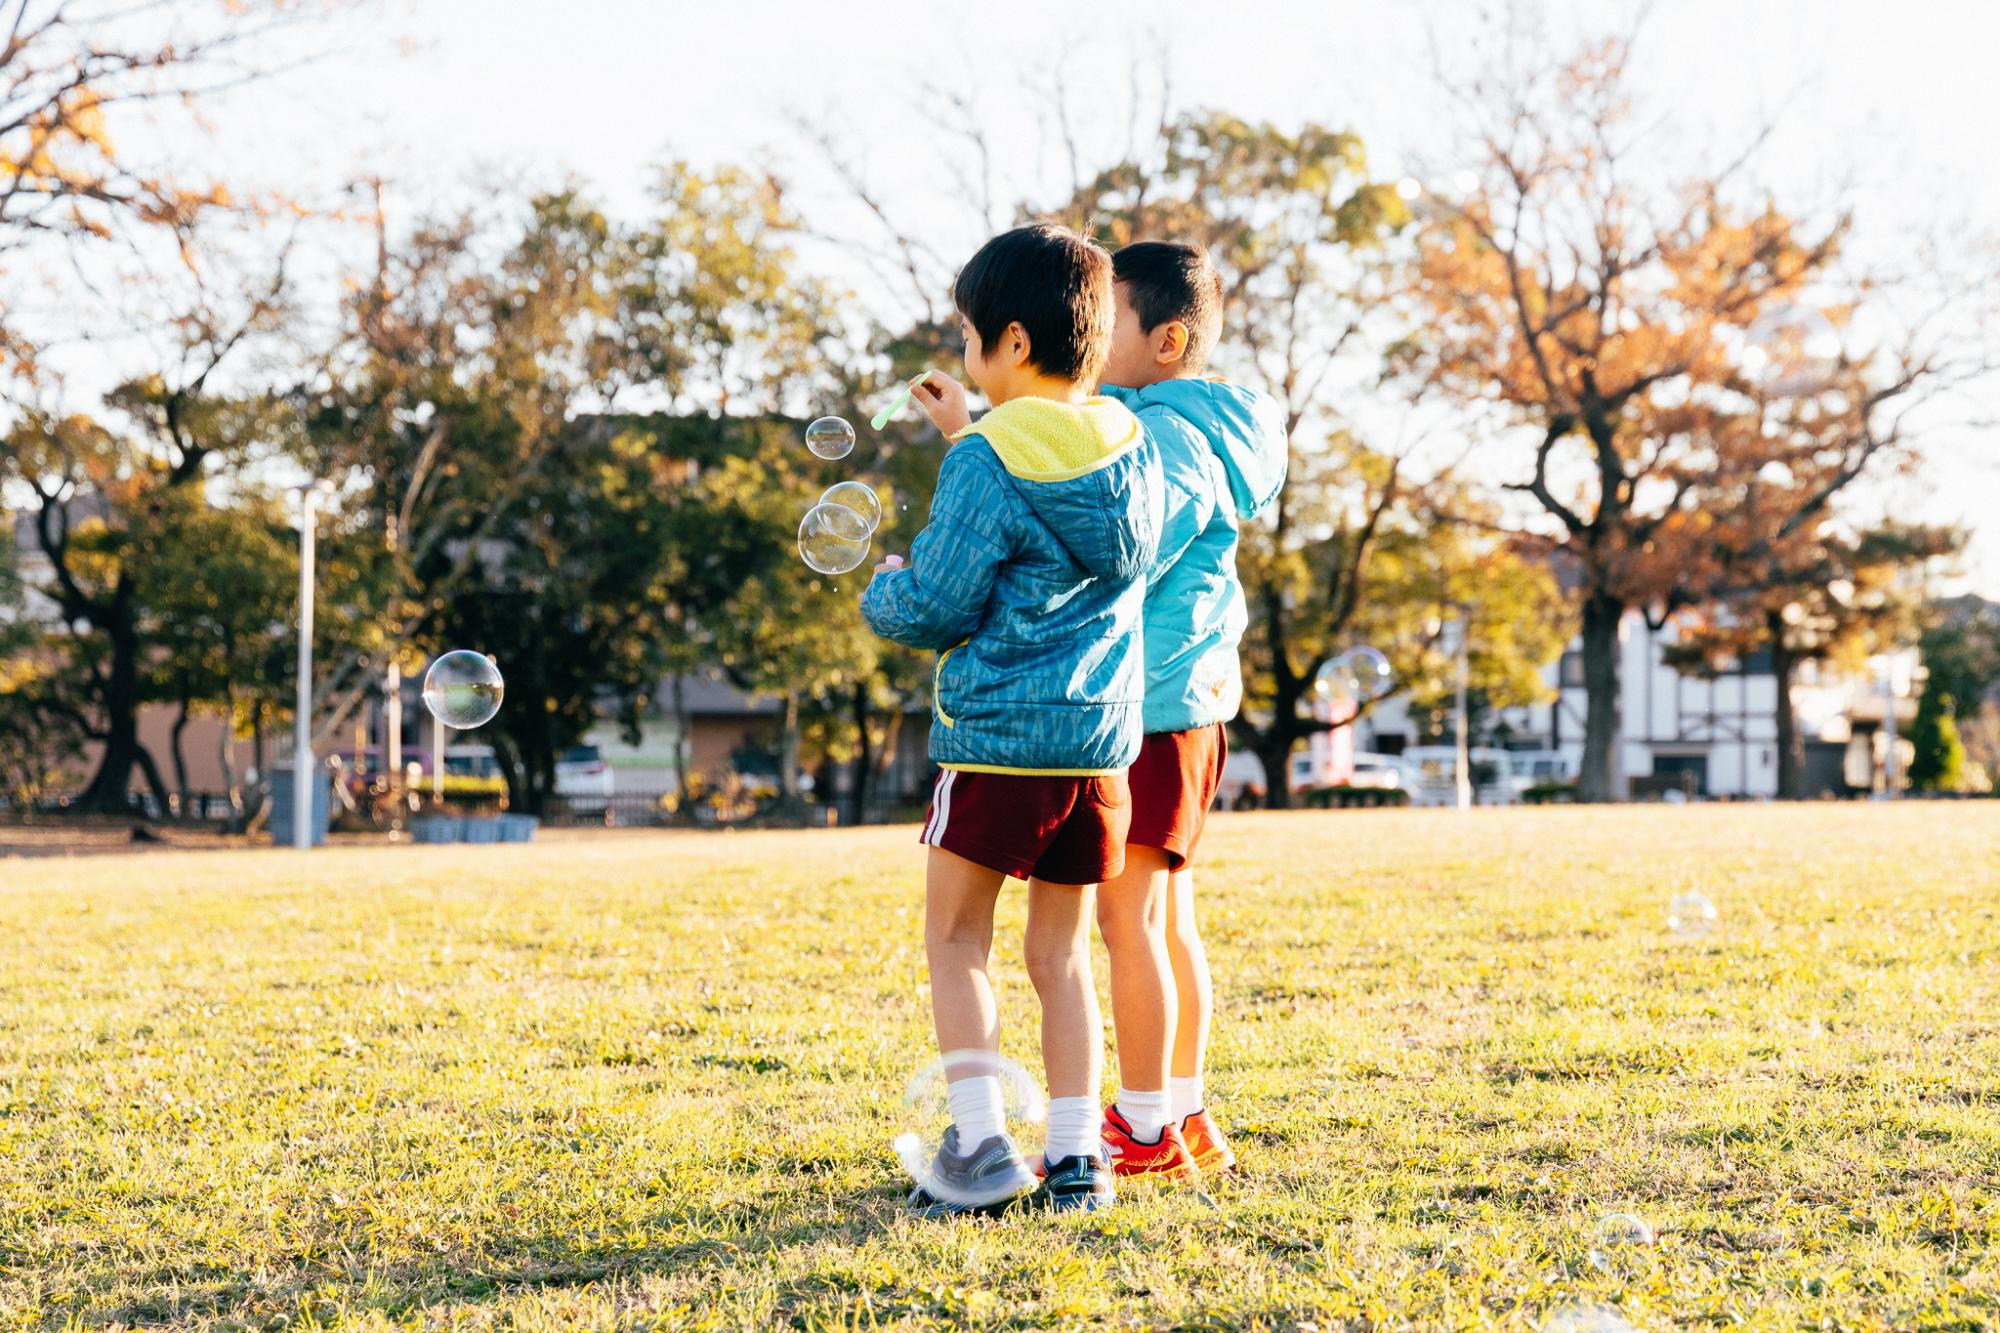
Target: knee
{"points": [[1052, 965], [1128, 924], [958, 933]]}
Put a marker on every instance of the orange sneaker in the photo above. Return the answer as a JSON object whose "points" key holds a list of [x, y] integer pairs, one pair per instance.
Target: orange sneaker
{"points": [[1205, 1142], [1166, 1155]]}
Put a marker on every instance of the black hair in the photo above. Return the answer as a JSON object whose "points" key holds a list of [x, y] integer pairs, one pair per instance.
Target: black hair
{"points": [[1053, 283], [1170, 280]]}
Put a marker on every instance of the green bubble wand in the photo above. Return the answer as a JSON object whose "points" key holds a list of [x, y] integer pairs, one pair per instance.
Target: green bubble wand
{"points": [[881, 419]]}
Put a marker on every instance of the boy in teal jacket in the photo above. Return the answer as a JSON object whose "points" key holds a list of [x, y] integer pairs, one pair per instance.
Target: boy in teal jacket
{"points": [[1028, 582], [1223, 455]]}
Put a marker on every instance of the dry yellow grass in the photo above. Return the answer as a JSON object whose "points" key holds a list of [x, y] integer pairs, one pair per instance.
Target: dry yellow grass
{"points": [[649, 1081]]}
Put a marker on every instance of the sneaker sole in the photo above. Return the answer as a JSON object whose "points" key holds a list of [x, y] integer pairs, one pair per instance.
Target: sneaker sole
{"points": [[1173, 1171]]}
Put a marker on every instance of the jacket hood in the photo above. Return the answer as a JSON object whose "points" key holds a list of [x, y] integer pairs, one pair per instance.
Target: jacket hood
{"points": [[1242, 426], [1080, 466]]}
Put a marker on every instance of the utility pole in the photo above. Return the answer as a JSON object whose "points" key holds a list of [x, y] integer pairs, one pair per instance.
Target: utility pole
{"points": [[1889, 729], [302, 746], [1464, 741]]}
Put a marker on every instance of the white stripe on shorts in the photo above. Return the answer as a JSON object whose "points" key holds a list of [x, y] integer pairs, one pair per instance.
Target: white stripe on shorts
{"points": [[940, 809]]}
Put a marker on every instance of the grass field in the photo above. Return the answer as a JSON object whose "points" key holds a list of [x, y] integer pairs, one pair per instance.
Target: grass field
{"points": [[649, 1081]]}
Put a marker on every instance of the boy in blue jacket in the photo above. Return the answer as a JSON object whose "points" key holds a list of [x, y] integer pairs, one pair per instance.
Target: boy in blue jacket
{"points": [[1223, 455], [1027, 581]]}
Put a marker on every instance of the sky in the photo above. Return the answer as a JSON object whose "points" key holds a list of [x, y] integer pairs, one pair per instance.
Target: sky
{"points": [[1885, 109]]}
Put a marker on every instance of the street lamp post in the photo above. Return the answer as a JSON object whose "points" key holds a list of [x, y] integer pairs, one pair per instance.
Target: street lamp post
{"points": [[1889, 727], [1464, 741], [302, 746]]}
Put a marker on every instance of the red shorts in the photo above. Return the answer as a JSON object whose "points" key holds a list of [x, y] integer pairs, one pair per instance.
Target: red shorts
{"points": [[1060, 829], [1174, 781]]}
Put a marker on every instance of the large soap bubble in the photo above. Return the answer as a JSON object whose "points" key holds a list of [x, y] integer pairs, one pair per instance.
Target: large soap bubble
{"points": [[830, 437], [858, 497], [463, 689], [833, 539], [927, 1129]]}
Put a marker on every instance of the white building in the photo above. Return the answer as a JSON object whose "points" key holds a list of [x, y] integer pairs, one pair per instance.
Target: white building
{"points": [[1696, 736]]}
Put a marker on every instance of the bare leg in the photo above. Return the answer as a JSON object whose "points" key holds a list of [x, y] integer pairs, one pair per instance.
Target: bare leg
{"points": [[1057, 949], [1196, 1001], [1132, 916], [958, 937]]}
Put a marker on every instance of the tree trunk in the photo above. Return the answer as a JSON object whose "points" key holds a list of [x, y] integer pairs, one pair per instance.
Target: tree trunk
{"points": [[1274, 751], [230, 786], [107, 792], [683, 737], [179, 751], [1791, 745], [151, 772], [1597, 780], [788, 751], [257, 800], [863, 767]]}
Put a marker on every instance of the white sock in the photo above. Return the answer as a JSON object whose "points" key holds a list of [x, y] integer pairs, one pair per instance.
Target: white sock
{"points": [[1145, 1112], [1186, 1095], [1075, 1126], [977, 1110]]}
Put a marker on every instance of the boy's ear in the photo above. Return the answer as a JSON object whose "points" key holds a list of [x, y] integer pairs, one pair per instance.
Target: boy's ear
{"points": [[1170, 342], [1014, 345]]}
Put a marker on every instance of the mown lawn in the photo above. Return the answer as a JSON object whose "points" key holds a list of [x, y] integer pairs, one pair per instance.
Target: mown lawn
{"points": [[649, 1081]]}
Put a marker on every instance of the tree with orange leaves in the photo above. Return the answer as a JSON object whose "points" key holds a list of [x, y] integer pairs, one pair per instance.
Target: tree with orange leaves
{"points": [[1671, 361]]}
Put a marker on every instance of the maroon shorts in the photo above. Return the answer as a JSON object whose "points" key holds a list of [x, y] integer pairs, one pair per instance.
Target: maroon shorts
{"points": [[1060, 829], [1174, 781]]}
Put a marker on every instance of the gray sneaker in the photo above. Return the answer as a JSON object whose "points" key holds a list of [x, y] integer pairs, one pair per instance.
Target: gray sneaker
{"points": [[984, 1182]]}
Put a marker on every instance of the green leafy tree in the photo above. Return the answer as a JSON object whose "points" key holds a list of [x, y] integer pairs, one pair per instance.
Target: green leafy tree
{"points": [[1292, 221], [219, 593], [443, 412], [33, 735], [1938, 759], [1960, 649]]}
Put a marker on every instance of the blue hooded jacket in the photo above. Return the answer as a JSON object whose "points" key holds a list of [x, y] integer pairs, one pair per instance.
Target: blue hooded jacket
{"points": [[1029, 580], [1223, 456]]}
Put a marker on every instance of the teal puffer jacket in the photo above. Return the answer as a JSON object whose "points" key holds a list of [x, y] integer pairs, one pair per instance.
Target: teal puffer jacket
{"points": [[1223, 456], [1029, 580]]}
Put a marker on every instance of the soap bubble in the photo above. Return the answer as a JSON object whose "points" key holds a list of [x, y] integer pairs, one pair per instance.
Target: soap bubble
{"points": [[845, 523], [1334, 684], [1591, 1318], [857, 497], [1355, 677], [926, 1115], [1691, 915], [1791, 350], [830, 437], [1370, 672], [832, 539], [1618, 1234], [463, 689]]}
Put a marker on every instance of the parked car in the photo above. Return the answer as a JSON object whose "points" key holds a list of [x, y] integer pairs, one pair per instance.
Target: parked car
{"points": [[1242, 782], [1369, 770], [1536, 768], [1431, 775], [1376, 770], [467, 761], [583, 778]]}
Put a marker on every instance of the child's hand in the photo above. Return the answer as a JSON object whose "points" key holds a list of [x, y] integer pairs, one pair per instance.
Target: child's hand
{"points": [[943, 401], [890, 563]]}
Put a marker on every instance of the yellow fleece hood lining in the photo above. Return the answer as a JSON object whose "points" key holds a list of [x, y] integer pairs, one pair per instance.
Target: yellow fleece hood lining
{"points": [[1039, 439]]}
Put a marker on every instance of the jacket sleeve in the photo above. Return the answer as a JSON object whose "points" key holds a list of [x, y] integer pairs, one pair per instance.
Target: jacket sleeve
{"points": [[1190, 488], [938, 600]]}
